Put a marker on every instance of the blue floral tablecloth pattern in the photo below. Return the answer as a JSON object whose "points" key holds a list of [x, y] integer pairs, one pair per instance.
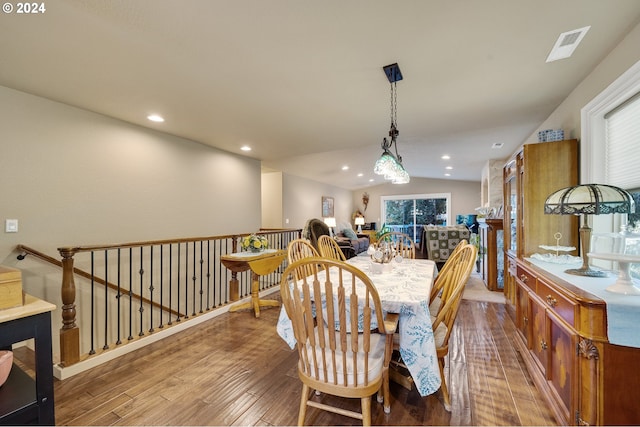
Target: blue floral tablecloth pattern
{"points": [[404, 290]]}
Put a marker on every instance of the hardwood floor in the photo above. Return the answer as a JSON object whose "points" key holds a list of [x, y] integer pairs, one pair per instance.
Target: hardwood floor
{"points": [[235, 370]]}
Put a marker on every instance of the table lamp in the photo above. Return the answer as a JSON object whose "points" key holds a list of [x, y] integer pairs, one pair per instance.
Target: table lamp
{"points": [[331, 222], [359, 222], [588, 199]]}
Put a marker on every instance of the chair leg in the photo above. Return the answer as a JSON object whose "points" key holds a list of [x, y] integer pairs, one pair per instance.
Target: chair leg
{"points": [[366, 411], [386, 406], [445, 391], [303, 404], [384, 389]]}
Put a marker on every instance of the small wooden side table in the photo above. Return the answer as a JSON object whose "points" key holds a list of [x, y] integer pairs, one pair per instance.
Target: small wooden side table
{"points": [[260, 264], [23, 400]]}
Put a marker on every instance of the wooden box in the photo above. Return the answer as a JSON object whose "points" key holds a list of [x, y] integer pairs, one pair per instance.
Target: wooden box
{"points": [[10, 287]]}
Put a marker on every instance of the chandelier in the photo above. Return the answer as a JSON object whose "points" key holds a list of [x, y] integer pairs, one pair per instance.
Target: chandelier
{"points": [[390, 165]]}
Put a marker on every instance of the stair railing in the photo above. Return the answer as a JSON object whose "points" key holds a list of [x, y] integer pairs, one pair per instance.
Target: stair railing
{"points": [[133, 288]]}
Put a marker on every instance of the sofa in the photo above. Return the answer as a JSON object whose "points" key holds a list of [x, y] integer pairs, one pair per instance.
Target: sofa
{"points": [[351, 243], [359, 242]]}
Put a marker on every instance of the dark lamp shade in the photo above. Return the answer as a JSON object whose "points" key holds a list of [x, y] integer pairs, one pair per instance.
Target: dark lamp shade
{"points": [[591, 199]]}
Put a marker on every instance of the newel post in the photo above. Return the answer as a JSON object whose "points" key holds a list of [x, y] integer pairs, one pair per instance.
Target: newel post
{"points": [[69, 333]]}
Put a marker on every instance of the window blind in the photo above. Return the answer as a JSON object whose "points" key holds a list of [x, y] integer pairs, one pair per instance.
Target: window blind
{"points": [[622, 162]]}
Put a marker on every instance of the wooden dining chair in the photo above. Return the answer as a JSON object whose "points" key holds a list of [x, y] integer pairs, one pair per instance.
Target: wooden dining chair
{"points": [[454, 280], [401, 242], [436, 289], [299, 249], [341, 352], [448, 278], [329, 248]]}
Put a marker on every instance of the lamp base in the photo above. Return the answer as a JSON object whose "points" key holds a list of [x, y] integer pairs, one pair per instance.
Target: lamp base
{"points": [[585, 241], [588, 272]]}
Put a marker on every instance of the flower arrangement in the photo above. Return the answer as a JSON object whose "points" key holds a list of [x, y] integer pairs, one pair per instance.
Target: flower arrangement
{"points": [[255, 243]]}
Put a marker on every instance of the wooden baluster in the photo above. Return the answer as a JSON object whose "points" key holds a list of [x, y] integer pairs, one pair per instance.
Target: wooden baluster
{"points": [[69, 333]]}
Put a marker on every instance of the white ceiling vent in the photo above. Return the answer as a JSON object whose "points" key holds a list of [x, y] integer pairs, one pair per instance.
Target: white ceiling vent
{"points": [[567, 43], [497, 145]]}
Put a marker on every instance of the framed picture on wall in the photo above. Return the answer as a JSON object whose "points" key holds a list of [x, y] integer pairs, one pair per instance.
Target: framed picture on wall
{"points": [[327, 207]]}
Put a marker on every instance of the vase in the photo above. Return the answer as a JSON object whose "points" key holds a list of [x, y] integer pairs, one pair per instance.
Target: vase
{"points": [[256, 250]]}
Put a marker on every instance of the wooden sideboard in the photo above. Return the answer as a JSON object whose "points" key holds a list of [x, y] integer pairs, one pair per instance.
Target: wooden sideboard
{"points": [[562, 337]]}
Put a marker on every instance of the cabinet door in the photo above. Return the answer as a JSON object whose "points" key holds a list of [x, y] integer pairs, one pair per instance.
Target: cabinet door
{"points": [[522, 312], [510, 208], [562, 373], [510, 279], [539, 344]]}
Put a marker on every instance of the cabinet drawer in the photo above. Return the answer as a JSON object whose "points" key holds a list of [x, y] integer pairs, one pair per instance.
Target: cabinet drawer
{"points": [[526, 278], [556, 302]]}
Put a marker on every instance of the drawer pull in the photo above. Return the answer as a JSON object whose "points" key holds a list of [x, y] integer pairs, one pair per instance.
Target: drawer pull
{"points": [[551, 301], [526, 320], [543, 345], [523, 278]]}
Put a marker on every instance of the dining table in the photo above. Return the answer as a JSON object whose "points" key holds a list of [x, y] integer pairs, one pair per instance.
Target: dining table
{"points": [[404, 287]]}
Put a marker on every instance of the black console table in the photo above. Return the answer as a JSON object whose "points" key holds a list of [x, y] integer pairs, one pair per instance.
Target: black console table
{"points": [[23, 400]]}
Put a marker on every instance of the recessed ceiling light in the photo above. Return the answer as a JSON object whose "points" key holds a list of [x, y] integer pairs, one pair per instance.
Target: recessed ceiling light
{"points": [[360, 174], [445, 157], [449, 168], [155, 118], [345, 168], [245, 148], [370, 179], [447, 174]]}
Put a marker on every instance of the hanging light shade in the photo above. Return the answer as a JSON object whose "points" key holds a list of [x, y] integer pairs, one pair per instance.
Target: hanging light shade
{"points": [[385, 164], [390, 165]]}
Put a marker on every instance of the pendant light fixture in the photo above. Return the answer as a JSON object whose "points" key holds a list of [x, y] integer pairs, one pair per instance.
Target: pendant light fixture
{"points": [[390, 165]]}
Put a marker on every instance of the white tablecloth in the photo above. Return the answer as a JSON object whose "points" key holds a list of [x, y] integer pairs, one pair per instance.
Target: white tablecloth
{"points": [[404, 290], [623, 311]]}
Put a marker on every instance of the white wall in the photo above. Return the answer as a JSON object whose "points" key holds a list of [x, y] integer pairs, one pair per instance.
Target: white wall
{"points": [[72, 177], [465, 195], [567, 115], [302, 200], [272, 200]]}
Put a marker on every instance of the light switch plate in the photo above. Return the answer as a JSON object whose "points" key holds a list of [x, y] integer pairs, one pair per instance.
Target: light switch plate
{"points": [[11, 226]]}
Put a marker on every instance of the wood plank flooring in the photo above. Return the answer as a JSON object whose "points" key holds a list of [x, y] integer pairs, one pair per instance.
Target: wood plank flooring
{"points": [[235, 370]]}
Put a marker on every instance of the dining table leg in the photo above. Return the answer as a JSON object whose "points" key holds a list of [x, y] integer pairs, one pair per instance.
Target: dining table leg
{"points": [[255, 301]]}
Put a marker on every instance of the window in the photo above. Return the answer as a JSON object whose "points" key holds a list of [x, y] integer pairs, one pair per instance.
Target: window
{"points": [[595, 117], [610, 134], [409, 214], [622, 126]]}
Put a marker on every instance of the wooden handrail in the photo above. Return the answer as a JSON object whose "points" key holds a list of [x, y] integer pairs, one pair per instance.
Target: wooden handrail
{"points": [[77, 249], [83, 273], [70, 333]]}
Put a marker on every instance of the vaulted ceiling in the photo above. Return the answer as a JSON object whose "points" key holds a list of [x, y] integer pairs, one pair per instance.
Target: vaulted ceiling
{"points": [[301, 81]]}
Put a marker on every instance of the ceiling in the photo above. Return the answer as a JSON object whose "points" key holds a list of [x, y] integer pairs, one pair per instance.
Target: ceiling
{"points": [[301, 81]]}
